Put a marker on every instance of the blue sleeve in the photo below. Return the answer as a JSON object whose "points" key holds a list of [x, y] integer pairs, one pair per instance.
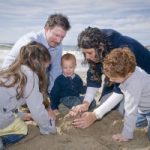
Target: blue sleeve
{"points": [[116, 88], [83, 90], [81, 86], [34, 101], [55, 95]]}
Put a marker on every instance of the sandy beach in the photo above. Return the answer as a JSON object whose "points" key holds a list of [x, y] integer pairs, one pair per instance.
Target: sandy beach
{"points": [[96, 137]]}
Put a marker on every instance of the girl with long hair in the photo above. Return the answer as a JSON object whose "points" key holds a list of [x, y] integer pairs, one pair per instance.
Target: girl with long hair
{"points": [[25, 82]]}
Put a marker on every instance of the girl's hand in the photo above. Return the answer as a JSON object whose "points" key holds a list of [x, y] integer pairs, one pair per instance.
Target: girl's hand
{"points": [[86, 119], [119, 138], [56, 112], [51, 113]]}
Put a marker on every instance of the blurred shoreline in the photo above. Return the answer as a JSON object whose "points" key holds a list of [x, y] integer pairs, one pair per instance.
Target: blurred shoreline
{"points": [[81, 67], [5, 49]]}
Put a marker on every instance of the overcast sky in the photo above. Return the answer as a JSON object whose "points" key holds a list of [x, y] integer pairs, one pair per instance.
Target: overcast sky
{"points": [[130, 17]]}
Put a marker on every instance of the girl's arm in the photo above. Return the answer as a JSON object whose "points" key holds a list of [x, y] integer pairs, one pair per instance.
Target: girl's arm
{"points": [[34, 102]]}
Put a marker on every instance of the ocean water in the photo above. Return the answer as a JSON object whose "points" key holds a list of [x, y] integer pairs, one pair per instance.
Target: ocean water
{"points": [[81, 67], [4, 50], [3, 54]]}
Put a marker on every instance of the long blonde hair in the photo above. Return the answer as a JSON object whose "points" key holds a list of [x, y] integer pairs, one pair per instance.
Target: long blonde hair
{"points": [[35, 56]]}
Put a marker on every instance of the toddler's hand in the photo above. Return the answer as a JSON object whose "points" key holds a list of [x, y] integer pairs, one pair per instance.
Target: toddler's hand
{"points": [[27, 117], [72, 113], [81, 108]]}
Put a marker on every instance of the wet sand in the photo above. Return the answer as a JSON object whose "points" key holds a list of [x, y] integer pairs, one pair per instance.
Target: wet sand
{"points": [[96, 137]]}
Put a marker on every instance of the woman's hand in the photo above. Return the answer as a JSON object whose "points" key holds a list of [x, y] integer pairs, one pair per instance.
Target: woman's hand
{"points": [[119, 138], [86, 119]]}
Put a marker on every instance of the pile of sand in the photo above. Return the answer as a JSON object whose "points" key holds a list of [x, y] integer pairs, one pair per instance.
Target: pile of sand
{"points": [[96, 137]]}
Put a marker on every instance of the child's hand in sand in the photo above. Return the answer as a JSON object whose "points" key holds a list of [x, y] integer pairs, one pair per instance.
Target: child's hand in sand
{"points": [[51, 113], [57, 113], [119, 138], [79, 108], [72, 113], [85, 120]]}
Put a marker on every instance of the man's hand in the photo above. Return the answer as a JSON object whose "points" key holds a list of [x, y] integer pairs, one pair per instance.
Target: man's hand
{"points": [[86, 119]]}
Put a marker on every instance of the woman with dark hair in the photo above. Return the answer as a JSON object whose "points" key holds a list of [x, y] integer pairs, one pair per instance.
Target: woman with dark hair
{"points": [[24, 82], [96, 44]]}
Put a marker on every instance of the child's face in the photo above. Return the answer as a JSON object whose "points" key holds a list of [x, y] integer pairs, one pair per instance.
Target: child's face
{"points": [[68, 67], [119, 79]]}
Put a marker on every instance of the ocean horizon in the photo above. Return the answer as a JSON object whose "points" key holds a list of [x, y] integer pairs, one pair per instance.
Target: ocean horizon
{"points": [[6, 47], [10, 45]]}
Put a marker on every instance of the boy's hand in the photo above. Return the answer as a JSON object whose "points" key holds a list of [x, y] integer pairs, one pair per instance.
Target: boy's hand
{"points": [[119, 138]]}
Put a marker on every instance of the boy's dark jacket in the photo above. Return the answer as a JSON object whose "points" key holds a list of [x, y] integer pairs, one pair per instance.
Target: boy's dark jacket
{"points": [[64, 86]]}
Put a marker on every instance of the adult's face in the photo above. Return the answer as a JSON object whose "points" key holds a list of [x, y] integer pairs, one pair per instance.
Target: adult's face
{"points": [[55, 35], [90, 54]]}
